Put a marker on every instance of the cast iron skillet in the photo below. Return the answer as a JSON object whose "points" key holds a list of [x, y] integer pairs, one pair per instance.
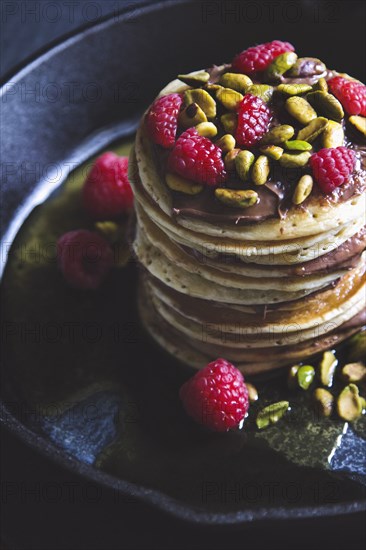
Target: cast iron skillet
{"points": [[91, 89]]}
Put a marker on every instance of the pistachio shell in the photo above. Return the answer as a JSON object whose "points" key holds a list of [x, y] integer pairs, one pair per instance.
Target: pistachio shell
{"points": [[300, 109], [177, 183], [333, 135], [349, 403], [260, 171], [271, 414], [327, 368], [206, 129], [252, 392], [226, 143], [203, 99], [293, 89], [302, 189], [236, 198], [243, 164], [297, 145], [280, 65], [324, 401], [306, 66], [264, 91], [278, 135], [357, 347], [326, 104], [238, 82], [272, 151], [305, 376], [321, 85], [289, 160], [229, 122], [196, 78], [191, 116], [313, 129], [229, 159], [230, 99], [354, 372], [358, 122]]}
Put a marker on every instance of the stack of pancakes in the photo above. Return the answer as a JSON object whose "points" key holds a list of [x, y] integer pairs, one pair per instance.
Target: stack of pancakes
{"points": [[263, 287]]}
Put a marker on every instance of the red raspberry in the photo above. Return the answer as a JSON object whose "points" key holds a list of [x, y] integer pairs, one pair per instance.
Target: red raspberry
{"points": [[162, 119], [258, 58], [84, 258], [107, 192], [196, 158], [216, 396], [253, 120], [331, 167], [351, 94]]}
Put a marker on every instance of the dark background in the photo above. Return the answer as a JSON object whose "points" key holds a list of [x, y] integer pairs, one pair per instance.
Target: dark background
{"points": [[27, 520]]}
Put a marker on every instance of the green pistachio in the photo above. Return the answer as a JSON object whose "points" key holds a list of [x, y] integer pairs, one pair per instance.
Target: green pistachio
{"points": [[289, 160], [357, 347], [111, 231], [196, 78], [226, 143], [302, 189], [300, 109], [191, 116], [333, 135], [243, 164], [206, 129], [229, 159], [236, 198], [252, 392], [238, 82], [313, 129], [177, 183], [229, 122], [323, 401], [326, 104], [349, 403], [203, 99], [260, 171], [264, 91], [272, 151], [293, 89], [229, 98], [271, 414], [321, 85], [306, 66], [297, 145], [327, 368], [280, 65], [358, 122], [305, 376], [278, 135], [354, 372]]}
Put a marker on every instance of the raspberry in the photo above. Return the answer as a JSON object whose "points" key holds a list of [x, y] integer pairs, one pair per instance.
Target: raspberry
{"points": [[258, 58], [253, 120], [196, 158], [351, 94], [84, 258], [162, 119], [216, 396], [331, 167], [107, 192]]}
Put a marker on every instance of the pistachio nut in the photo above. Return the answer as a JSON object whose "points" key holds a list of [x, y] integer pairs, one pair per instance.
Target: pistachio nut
{"points": [[300, 109], [302, 189], [349, 403], [191, 116], [297, 145], [293, 89], [313, 129], [213, 89], [229, 159], [321, 85], [280, 65], [323, 400], [305, 376], [226, 143], [264, 91], [359, 122], [357, 347], [111, 231], [289, 160], [271, 414], [327, 368], [333, 135], [236, 198], [354, 372], [229, 122], [206, 129], [243, 164], [196, 78], [203, 99], [272, 151], [278, 135], [260, 171], [177, 183], [252, 392], [238, 82], [292, 377], [306, 66], [326, 104], [230, 99]]}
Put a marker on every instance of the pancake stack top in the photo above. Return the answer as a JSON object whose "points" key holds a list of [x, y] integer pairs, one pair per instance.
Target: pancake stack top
{"points": [[249, 182]]}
